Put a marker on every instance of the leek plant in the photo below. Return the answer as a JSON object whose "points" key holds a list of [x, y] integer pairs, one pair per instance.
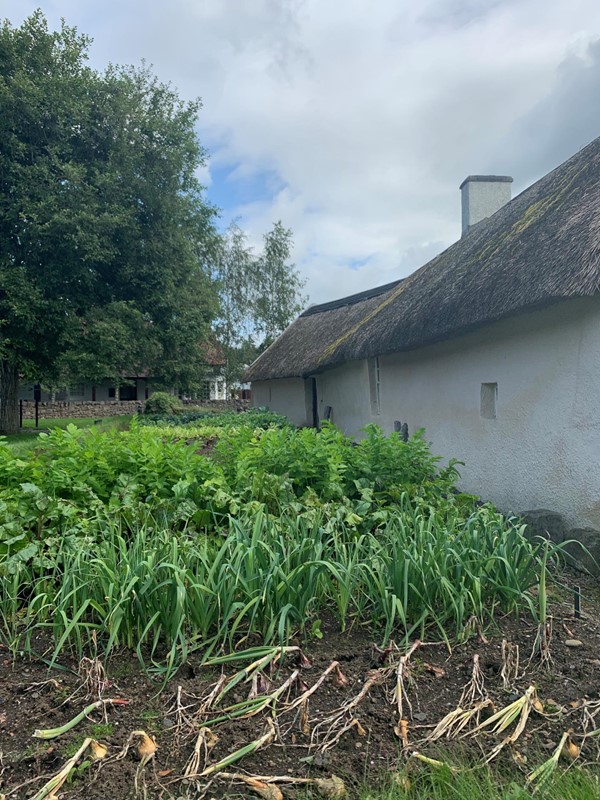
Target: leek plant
{"points": [[165, 595]]}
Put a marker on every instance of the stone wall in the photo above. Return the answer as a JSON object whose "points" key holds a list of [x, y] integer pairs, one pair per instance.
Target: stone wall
{"points": [[115, 408], [109, 408]]}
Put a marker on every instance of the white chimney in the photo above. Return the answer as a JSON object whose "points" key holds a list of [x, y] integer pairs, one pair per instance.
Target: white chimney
{"points": [[482, 196]]}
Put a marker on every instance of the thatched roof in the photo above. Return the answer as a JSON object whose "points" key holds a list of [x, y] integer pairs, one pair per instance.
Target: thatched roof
{"points": [[539, 249]]}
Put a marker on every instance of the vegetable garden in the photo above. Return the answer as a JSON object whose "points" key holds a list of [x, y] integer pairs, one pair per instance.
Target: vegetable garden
{"points": [[278, 598]]}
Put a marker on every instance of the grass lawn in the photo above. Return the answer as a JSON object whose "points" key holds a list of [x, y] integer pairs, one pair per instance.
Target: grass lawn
{"points": [[485, 784], [25, 441]]}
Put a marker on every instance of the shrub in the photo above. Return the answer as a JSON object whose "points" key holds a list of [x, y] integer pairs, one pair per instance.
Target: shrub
{"points": [[162, 403]]}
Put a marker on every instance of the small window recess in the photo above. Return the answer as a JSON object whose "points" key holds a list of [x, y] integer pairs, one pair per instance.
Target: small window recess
{"points": [[489, 400], [375, 385]]}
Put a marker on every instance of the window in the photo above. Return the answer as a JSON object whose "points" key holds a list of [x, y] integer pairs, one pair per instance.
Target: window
{"points": [[77, 389], [375, 385], [111, 392], [128, 392], [489, 397]]}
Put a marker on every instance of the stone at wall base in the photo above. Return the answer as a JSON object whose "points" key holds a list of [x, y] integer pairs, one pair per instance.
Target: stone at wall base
{"points": [[581, 545], [545, 523], [113, 408], [85, 408], [588, 559]]}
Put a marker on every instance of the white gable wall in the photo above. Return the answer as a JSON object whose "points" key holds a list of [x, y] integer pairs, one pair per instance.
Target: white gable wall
{"points": [[288, 396]]}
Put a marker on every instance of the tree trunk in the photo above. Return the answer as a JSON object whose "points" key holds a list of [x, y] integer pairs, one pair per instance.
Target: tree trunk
{"points": [[9, 404]]}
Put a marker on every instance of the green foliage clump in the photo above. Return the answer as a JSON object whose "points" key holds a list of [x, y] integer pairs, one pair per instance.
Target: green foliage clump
{"points": [[137, 539], [224, 420], [388, 461], [79, 477], [257, 462], [163, 403], [329, 464]]}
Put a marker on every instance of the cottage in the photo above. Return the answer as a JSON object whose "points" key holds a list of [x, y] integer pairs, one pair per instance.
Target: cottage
{"points": [[493, 347], [136, 387]]}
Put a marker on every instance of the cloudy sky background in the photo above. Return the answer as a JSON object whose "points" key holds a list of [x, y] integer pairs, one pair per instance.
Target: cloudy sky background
{"points": [[355, 121]]}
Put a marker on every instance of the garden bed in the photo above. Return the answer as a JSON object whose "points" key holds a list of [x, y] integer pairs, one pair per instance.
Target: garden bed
{"points": [[31, 696], [299, 607]]}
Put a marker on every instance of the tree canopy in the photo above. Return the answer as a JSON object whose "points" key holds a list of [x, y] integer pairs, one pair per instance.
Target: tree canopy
{"points": [[105, 239], [110, 262]]}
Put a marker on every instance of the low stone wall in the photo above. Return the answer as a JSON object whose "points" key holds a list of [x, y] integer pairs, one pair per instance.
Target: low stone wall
{"points": [[115, 408], [58, 410]]}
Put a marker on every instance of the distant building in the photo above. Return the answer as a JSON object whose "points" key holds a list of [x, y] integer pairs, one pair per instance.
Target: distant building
{"points": [[135, 387]]}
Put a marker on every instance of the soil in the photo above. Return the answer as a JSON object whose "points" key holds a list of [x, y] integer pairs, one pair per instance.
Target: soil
{"points": [[34, 696]]}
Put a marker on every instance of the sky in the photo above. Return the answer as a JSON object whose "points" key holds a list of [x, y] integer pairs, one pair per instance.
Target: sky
{"points": [[355, 121]]}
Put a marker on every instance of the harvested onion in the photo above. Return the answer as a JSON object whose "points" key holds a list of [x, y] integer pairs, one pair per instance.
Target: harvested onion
{"points": [[146, 745]]}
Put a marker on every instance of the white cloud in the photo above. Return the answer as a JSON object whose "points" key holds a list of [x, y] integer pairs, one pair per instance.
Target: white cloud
{"points": [[369, 114]]}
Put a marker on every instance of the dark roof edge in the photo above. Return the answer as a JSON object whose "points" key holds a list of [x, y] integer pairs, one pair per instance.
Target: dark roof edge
{"points": [[351, 299], [486, 179]]}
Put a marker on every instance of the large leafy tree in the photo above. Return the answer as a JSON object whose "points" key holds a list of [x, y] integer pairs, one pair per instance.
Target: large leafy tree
{"points": [[260, 294], [105, 239]]}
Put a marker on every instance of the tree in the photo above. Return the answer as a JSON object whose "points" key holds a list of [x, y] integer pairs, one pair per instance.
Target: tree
{"points": [[259, 294], [279, 286], [109, 342], [233, 270], [105, 239]]}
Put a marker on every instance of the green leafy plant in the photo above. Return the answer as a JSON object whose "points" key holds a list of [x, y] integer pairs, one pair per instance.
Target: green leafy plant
{"points": [[162, 403], [135, 539]]}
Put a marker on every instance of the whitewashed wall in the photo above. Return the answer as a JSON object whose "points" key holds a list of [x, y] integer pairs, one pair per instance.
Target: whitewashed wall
{"points": [[346, 390], [543, 448], [288, 396]]}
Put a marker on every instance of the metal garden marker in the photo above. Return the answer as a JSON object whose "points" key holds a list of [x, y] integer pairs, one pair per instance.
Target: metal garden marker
{"points": [[37, 396], [577, 601]]}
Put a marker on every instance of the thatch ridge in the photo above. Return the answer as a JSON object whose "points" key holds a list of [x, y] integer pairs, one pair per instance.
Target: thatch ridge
{"points": [[351, 299], [541, 248]]}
